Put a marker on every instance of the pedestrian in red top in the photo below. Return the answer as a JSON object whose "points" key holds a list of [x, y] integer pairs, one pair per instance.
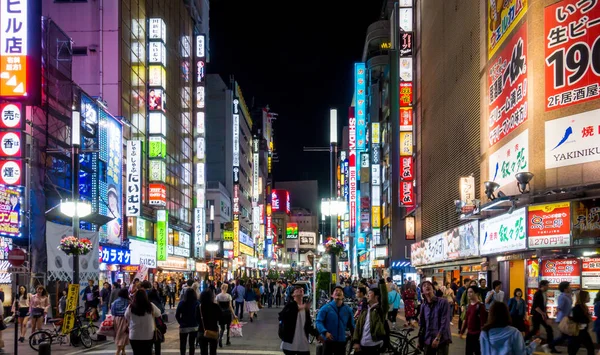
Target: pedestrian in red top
{"points": [[409, 295], [475, 319]]}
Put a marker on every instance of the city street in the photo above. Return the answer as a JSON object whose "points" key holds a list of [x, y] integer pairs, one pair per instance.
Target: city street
{"points": [[260, 337]]}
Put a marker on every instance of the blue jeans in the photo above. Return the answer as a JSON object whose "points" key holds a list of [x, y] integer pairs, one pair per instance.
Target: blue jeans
{"points": [[104, 312], [239, 309]]}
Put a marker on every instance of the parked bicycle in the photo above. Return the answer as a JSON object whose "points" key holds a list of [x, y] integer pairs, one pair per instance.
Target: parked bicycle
{"points": [[402, 342], [83, 331]]}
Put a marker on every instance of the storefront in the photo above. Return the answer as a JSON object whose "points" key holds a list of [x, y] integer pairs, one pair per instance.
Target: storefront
{"points": [[111, 260], [175, 268]]}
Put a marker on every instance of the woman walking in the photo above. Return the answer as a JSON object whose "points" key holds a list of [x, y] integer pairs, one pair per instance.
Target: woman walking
{"points": [[154, 298], [449, 295], [409, 297], [188, 324], [394, 302], [117, 309], [38, 308], [224, 301], [250, 301], [21, 309], [140, 315], [516, 306], [499, 338], [207, 315], [581, 316]]}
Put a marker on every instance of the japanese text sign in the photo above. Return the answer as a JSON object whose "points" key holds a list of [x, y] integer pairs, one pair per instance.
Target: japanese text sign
{"points": [[406, 119], [10, 115], [13, 47], [406, 168], [590, 267], [407, 193], [572, 51], [10, 172], [360, 87], [162, 231], [511, 158], [406, 94], [112, 255], [503, 16], [133, 195], [573, 139], [507, 83], [503, 233], [559, 270], [586, 222], [10, 211], [549, 225]]}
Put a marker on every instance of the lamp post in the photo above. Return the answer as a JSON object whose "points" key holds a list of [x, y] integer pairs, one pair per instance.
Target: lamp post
{"points": [[211, 246], [74, 208], [333, 208]]}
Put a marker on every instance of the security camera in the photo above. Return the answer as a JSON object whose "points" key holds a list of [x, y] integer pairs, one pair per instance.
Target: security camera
{"points": [[523, 180]]}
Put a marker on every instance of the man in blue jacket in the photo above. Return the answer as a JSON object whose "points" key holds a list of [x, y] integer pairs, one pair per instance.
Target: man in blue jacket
{"points": [[332, 321]]}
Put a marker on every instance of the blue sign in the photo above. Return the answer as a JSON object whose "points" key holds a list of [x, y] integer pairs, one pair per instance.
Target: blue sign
{"points": [[111, 185], [112, 255], [360, 88], [88, 160], [246, 239]]}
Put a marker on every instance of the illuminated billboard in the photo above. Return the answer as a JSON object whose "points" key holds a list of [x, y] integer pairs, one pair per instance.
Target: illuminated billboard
{"points": [[280, 201]]}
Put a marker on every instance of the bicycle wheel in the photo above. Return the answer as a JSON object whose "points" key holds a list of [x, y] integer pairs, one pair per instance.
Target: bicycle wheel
{"points": [[86, 339], [410, 346], [93, 330], [39, 337]]}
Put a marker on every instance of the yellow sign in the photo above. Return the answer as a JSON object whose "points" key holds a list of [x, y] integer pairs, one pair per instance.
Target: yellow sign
{"points": [[376, 217], [503, 16], [406, 144], [227, 235], [71, 308], [375, 133], [236, 238], [244, 249], [385, 45]]}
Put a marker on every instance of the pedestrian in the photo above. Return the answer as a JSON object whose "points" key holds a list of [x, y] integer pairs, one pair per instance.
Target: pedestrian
{"points": [[114, 293], [539, 317], [434, 332], [21, 309], [449, 295], [494, 295], [91, 297], [361, 300], [140, 315], [498, 337], [394, 302], [133, 287], [597, 321], [208, 313], [475, 319], [564, 306], [227, 313], [409, 297], [104, 300], [516, 307], [62, 304], [154, 297], [332, 321], [459, 294], [172, 293], [581, 316], [370, 332], [278, 292], [296, 325], [188, 324], [117, 309], [239, 292], [250, 301], [454, 285], [483, 290], [270, 293], [348, 290], [38, 308]]}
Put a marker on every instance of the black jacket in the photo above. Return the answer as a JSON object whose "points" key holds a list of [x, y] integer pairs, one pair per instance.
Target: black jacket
{"points": [[538, 301], [288, 317], [211, 313]]}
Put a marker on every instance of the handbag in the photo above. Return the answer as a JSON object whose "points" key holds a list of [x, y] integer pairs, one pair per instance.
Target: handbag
{"points": [[37, 312], [568, 326], [209, 334], [160, 325], [158, 336]]}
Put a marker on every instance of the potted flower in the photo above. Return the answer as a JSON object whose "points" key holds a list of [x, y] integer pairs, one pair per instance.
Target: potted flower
{"points": [[333, 246], [74, 246]]}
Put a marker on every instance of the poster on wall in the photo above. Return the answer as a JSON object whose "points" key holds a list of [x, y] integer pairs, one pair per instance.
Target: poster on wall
{"points": [[573, 139], [549, 225], [510, 159], [503, 233], [572, 67], [559, 270], [503, 16], [10, 211], [533, 273], [111, 190], [507, 88]]}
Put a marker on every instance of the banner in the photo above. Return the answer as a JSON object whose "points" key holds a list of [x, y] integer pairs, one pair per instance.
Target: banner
{"points": [[503, 16], [71, 307], [573, 140], [559, 270], [133, 196], [572, 67], [503, 233], [510, 159], [549, 225], [60, 265]]}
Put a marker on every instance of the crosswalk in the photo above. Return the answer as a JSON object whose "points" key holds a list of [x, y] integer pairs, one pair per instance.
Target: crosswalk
{"points": [[176, 351]]}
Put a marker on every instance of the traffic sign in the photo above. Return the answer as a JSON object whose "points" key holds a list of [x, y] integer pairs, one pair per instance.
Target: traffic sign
{"points": [[16, 257]]}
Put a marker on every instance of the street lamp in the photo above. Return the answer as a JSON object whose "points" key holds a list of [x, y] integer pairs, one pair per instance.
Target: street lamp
{"points": [[211, 246]]}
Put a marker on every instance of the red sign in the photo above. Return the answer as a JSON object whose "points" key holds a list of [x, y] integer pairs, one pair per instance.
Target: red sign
{"points": [[407, 193], [406, 168], [352, 168], [572, 50], [280, 201], [507, 81], [10, 144], [590, 267], [10, 115], [549, 225], [559, 270], [406, 119], [10, 172], [157, 194], [13, 48], [16, 257], [406, 94]]}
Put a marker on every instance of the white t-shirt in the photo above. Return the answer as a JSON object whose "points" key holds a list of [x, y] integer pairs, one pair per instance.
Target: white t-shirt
{"points": [[300, 342], [141, 328]]}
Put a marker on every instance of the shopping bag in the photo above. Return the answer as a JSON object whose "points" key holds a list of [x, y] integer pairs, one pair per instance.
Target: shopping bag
{"points": [[236, 330], [107, 328], [568, 327]]}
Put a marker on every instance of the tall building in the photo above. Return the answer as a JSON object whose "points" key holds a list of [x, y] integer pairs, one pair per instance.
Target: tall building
{"points": [[145, 62], [229, 149]]}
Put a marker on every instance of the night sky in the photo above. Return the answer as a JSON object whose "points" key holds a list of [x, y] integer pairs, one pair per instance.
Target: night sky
{"points": [[297, 57]]}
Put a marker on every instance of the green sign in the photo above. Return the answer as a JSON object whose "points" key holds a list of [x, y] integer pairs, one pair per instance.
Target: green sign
{"points": [[227, 235], [162, 230], [157, 147]]}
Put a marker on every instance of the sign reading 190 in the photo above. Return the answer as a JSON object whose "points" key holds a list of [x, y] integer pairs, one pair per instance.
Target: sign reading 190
{"points": [[577, 59]]}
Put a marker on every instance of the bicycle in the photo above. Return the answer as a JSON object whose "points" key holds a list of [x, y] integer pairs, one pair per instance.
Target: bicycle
{"points": [[402, 343], [79, 334]]}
